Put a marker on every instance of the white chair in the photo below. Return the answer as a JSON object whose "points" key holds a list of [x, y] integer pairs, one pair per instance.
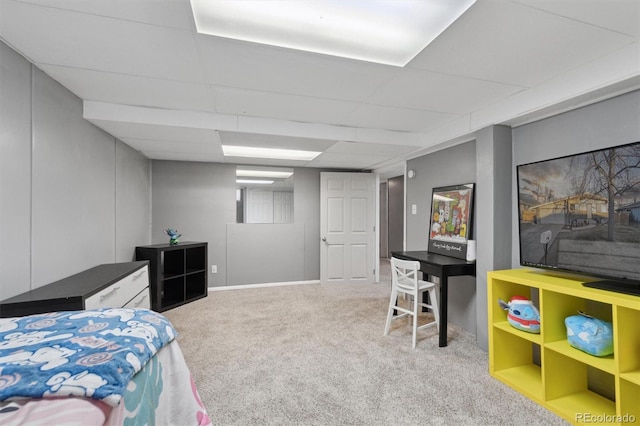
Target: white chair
{"points": [[404, 279]]}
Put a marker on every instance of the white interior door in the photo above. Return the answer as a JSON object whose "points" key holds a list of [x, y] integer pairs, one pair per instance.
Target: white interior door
{"points": [[347, 227]]}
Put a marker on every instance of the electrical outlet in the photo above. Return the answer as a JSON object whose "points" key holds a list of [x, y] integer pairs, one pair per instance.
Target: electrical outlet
{"points": [[214, 269]]}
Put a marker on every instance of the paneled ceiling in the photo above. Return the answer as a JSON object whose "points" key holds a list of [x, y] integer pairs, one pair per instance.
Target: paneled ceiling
{"points": [[147, 77]]}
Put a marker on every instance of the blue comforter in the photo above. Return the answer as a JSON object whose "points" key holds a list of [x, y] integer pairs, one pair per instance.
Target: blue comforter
{"points": [[89, 354]]}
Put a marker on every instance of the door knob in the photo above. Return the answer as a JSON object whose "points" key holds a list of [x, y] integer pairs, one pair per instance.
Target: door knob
{"points": [[324, 239]]}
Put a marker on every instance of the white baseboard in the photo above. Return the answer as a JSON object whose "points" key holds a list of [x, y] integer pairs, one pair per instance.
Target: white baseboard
{"points": [[240, 287]]}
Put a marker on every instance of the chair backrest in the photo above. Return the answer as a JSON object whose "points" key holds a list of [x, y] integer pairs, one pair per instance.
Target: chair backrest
{"points": [[404, 274]]}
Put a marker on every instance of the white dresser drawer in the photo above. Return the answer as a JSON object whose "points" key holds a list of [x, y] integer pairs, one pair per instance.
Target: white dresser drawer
{"points": [[142, 300], [120, 293]]}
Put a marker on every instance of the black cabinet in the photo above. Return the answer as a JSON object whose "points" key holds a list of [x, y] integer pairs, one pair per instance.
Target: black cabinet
{"points": [[178, 273]]}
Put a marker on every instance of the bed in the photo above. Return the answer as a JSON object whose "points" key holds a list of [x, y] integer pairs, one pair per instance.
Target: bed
{"points": [[95, 367]]}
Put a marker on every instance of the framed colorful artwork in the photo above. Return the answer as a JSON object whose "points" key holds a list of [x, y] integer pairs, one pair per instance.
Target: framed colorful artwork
{"points": [[451, 220]]}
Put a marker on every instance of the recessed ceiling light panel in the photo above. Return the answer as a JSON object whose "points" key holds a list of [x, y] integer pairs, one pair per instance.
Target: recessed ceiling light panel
{"points": [[277, 174], [256, 181], [385, 31], [273, 153]]}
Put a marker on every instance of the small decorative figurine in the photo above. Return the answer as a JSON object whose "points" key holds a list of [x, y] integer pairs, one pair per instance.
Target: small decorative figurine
{"points": [[591, 335], [522, 315], [173, 236]]}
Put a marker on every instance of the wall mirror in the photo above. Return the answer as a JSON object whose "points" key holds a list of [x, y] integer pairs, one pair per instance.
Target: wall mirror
{"points": [[264, 194]]}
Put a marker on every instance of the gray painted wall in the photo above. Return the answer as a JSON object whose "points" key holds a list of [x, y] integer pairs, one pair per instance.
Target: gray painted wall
{"points": [[199, 199], [451, 166], [492, 215], [383, 226], [72, 196], [396, 214], [133, 201], [15, 173], [72, 185], [490, 162], [264, 252], [306, 205]]}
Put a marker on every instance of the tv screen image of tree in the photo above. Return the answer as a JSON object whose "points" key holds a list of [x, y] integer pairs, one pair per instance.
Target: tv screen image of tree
{"points": [[581, 213]]}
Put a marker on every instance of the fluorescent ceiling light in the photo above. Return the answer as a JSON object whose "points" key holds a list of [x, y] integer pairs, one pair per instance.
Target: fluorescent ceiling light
{"points": [[263, 173], [273, 153], [263, 182], [385, 31]]}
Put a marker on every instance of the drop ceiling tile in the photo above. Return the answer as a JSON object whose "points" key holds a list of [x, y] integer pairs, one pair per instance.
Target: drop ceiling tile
{"points": [[132, 90], [246, 65], [166, 13], [124, 130], [58, 37], [152, 148], [557, 95], [345, 161], [279, 106], [144, 53], [400, 119], [509, 43], [437, 92], [182, 156], [173, 146], [365, 148], [620, 15]]}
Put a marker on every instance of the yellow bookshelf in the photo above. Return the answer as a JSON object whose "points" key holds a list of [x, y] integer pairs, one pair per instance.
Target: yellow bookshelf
{"points": [[579, 387]]}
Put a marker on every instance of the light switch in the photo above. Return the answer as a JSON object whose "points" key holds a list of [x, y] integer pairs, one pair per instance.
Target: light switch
{"points": [[414, 209]]}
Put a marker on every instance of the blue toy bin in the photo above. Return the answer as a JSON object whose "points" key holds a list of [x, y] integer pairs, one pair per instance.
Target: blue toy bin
{"points": [[591, 335]]}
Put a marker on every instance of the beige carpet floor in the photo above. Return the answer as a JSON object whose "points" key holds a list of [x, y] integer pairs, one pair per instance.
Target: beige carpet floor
{"points": [[316, 355]]}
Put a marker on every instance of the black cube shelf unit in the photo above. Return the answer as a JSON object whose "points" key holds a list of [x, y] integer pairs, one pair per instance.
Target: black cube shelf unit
{"points": [[178, 273]]}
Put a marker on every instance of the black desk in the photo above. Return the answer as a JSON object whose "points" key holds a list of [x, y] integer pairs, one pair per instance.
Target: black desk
{"points": [[442, 267]]}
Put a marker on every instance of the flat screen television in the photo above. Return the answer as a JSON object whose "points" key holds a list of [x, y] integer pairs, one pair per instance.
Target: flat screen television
{"points": [[581, 214]]}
